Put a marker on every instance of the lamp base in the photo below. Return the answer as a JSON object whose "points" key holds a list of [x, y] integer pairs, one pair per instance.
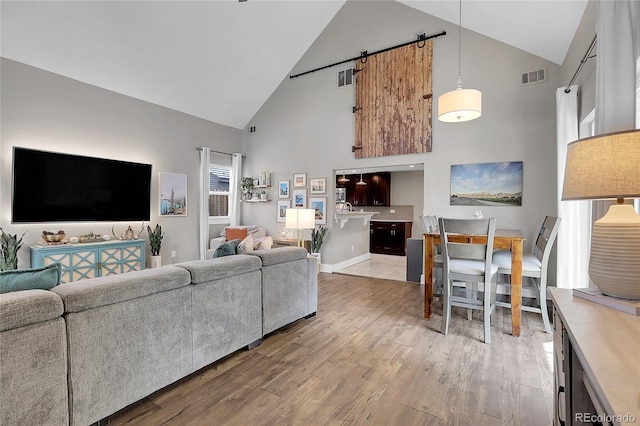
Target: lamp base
{"points": [[614, 265]]}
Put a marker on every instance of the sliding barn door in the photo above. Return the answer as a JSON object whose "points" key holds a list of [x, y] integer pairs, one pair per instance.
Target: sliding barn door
{"points": [[393, 102]]}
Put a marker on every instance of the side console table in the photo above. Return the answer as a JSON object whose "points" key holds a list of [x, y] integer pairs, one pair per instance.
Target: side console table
{"points": [[596, 362], [90, 260]]}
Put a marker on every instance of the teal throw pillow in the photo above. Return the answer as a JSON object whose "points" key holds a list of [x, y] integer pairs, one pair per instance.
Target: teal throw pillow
{"points": [[43, 278], [227, 249]]}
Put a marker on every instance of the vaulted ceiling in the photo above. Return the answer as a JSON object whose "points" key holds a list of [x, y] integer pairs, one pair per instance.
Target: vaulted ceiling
{"points": [[221, 60]]}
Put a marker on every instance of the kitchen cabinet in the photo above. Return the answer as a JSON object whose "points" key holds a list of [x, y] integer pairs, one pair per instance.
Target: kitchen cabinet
{"points": [[376, 192], [389, 237]]}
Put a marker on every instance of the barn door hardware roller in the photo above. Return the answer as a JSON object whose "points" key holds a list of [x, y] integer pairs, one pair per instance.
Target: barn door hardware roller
{"points": [[420, 39]]}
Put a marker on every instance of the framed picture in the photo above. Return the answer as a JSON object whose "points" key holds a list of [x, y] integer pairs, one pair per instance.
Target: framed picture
{"points": [[283, 189], [299, 180], [299, 198], [173, 194], [320, 207], [283, 205], [486, 184], [318, 186]]}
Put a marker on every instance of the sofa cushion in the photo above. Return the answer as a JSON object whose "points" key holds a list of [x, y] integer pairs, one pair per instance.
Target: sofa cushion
{"points": [[21, 308], [251, 229], [264, 243], [203, 271], [281, 255], [226, 249], [91, 293], [235, 233], [245, 245], [43, 278]]}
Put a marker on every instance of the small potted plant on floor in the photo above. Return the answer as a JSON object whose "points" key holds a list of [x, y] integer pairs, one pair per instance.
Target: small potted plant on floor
{"points": [[9, 246], [155, 241], [317, 238]]}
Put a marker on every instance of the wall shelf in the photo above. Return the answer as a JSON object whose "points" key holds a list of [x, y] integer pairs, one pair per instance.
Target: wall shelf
{"points": [[344, 217], [256, 201]]}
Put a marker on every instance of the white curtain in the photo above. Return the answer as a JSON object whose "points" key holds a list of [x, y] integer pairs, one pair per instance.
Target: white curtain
{"points": [[234, 189], [573, 239], [203, 208]]}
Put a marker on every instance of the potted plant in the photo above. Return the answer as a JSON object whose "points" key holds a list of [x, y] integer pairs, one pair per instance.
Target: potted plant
{"points": [[247, 186], [155, 241], [9, 246], [317, 238]]}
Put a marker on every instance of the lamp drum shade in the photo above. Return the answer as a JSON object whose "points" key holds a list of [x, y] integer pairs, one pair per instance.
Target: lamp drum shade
{"points": [[460, 105], [603, 166]]}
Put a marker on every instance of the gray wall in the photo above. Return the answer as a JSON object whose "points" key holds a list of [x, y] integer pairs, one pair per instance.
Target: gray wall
{"points": [[46, 111], [307, 124]]}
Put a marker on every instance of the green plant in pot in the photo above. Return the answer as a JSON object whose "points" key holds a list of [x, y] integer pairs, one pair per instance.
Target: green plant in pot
{"points": [[9, 246], [155, 241], [317, 238], [246, 185]]}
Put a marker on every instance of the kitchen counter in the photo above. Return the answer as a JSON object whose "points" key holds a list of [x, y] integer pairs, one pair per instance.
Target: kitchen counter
{"points": [[392, 220]]}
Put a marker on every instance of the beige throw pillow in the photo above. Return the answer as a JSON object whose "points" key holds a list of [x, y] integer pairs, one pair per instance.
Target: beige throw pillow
{"points": [[246, 245], [265, 244]]}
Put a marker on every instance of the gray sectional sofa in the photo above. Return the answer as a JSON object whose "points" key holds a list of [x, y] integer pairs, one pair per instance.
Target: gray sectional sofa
{"points": [[84, 350]]}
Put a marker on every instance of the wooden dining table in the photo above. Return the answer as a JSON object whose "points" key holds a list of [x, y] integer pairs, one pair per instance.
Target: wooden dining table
{"points": [[509, 239]]}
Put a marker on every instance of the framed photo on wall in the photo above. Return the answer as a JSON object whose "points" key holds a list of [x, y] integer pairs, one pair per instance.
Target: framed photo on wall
{"points": [[299, 198], [173, 194], [486, 184], [283, 205], [320, 207], [283, 189], [299, 180], [318, 186]]}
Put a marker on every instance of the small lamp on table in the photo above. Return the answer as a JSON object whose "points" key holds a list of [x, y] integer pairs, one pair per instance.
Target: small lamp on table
{"points": [[300, 219]]}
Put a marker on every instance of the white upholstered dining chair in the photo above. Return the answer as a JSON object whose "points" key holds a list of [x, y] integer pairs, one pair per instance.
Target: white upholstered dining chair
{"points": [[534, 265], [468, 262]]}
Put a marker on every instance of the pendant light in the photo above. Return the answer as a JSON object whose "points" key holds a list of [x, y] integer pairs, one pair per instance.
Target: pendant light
{"points": [[361, 182], [343, 179], [460, 104]]}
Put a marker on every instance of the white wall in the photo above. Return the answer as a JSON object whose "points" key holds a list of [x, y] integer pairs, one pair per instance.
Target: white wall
{"points": [[307, 124], [46, 111]]}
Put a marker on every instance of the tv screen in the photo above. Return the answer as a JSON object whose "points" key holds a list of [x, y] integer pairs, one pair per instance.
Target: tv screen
{"points": [[54, 187]]}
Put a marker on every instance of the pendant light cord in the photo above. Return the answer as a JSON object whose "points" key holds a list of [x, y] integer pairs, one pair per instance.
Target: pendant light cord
{"points": [[459, 44]]}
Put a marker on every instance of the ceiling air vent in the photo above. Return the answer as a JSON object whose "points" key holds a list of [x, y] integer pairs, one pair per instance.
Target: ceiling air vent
{"points": [[345, 77], [532, 77]]}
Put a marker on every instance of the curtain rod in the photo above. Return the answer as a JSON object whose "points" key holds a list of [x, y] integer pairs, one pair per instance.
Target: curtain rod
{"points": [[363, 55], [198, 148], [586, 56]]}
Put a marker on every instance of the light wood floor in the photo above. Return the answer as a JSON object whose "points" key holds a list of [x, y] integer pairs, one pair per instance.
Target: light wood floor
{"points": [[369, 357], [383, 266]]}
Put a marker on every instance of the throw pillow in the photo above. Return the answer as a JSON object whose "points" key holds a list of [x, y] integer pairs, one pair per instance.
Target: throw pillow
{"points": [[265, 244], [235, 233], [43, 278], [226, 249], [246, 245]]}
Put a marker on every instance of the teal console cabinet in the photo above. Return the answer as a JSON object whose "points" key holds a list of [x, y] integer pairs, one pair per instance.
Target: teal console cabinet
{"points": [[89, 260]]}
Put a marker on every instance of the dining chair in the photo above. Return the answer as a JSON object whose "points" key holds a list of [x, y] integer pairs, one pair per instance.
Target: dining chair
{"points": [[534, 265], [430, 224], [468, 261]]}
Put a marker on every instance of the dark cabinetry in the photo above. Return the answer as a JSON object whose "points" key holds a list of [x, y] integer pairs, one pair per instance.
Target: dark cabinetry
{"points": [[389, 237], [376, 192]]}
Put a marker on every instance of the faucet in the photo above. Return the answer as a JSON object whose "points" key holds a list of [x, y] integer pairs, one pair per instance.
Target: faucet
{"points": [[348, 206]]}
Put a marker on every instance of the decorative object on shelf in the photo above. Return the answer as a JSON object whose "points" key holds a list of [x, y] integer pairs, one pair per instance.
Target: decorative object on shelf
{"points": [[319, 206], [265, 179], [53, 237], [90, 237], [605, 167], [299, 198], [155, 241], [74, 240], [299, 180], [318, 186], [263, 195], [300, 219], [246, 185], [317, 238], [9, 246], [460, 104], [106, 237], [173, 194], [256, 196], [128, 234], [499, 184], [283, 205], [283, 189]]}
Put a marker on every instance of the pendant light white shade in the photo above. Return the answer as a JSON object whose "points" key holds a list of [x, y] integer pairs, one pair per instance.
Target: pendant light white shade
{"points": [[460, 105]]}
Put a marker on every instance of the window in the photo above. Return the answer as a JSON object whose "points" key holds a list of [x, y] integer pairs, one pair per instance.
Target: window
{"points": [[219, 177]]}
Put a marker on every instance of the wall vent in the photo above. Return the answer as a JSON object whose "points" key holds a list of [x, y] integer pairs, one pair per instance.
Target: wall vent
{"points": [[345, 77], [533, 77], [251, 130]]}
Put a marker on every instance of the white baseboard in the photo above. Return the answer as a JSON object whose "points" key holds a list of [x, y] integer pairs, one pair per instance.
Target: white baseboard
{"points": [[345, 264]]}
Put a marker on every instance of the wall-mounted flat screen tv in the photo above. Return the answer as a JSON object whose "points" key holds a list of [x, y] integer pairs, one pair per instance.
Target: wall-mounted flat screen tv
{"points": [[55, 187]]}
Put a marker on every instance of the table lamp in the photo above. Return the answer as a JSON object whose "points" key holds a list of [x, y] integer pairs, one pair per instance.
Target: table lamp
{"points": [[605, 167], [300, 219]]}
